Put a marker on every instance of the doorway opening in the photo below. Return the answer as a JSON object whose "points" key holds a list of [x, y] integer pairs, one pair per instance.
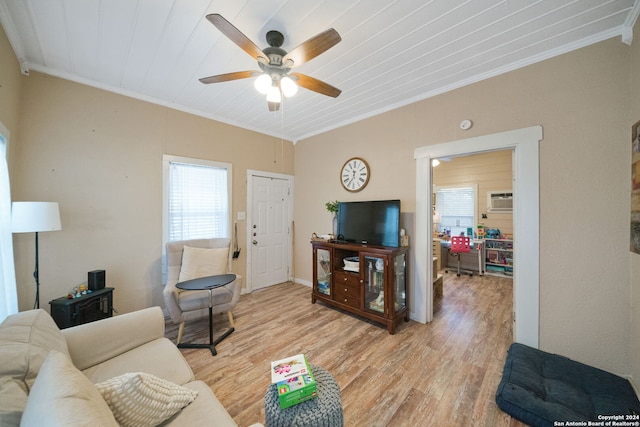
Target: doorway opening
{"points": [[463, 206], [464, 190], [525, 145]]}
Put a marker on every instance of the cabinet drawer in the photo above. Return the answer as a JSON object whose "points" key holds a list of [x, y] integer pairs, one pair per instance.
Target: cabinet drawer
{"points": [[346, 294], [340, 278]]}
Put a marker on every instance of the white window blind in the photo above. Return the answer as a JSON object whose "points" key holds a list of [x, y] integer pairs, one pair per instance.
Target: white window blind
{"points": [[456, 207], [198, 201]]}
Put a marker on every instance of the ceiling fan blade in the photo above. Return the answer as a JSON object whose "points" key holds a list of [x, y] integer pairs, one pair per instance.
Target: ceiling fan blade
{"points": [[274, 106], [235, 35], [312, 47], [229, 76], [316, 85]]}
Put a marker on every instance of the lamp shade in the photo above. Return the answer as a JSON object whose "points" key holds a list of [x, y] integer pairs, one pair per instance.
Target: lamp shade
{"points": [[28, 217], [288, 86], [274, 95], [263, 83]]}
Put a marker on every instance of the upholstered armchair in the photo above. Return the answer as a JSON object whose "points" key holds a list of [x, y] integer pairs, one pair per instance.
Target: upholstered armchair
{"points": [[191, 259]]}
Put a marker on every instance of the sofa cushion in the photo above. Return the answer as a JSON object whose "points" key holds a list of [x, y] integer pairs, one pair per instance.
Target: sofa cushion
{"points": [[63, 396], [87, 346], [159, 357], [144, 400], [205, 407], [202, 262], [13, 399], [25, 340]]}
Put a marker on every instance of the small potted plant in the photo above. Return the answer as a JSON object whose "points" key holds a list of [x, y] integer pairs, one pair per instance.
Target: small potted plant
{"points": [[332, 207]]}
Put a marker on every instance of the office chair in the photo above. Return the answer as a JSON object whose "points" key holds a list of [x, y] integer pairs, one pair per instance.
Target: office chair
{"points": [[460, 244]]}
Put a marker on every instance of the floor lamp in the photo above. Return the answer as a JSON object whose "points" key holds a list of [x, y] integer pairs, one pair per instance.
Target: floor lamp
{"points": [[29, 217]]}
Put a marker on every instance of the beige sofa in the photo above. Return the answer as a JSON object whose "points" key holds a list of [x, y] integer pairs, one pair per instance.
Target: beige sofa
{"points": [[44, 370]]}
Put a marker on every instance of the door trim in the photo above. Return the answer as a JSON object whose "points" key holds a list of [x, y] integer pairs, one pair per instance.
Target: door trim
{"points": [[526, 221], [289, 178]]}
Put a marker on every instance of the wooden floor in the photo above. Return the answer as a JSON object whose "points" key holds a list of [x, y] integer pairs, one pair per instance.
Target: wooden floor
{"points": [[444, 373]]}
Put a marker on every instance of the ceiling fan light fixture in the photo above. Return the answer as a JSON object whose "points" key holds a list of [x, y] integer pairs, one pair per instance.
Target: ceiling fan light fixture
{"points": [[288, 86], [263, 83], [275, 63], [274, 95]]}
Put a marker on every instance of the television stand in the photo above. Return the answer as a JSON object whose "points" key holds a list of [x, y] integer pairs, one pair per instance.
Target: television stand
{"points": [[376, 291]]}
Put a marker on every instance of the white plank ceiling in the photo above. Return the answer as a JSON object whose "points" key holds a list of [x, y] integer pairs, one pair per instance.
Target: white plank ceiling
{"points": [[392, 53]]}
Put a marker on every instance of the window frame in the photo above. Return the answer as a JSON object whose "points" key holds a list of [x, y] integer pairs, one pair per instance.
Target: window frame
{"points": [[167, 159]]}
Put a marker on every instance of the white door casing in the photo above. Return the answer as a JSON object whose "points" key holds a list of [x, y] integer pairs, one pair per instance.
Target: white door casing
{"points": [[269, 240], [526, 223]]}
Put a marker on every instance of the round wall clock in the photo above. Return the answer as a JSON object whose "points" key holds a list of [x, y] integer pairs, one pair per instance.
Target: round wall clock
{"points": [[354, 175]]}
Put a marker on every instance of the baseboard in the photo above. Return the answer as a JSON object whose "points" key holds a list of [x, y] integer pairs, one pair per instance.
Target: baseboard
{"points": [[303, 282]]}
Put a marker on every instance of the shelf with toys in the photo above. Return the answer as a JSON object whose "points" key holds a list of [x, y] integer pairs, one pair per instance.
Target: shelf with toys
{"points": [[498, 256]]}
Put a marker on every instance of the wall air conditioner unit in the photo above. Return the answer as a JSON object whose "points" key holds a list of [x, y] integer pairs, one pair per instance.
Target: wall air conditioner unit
{"points": [[500, 201]]}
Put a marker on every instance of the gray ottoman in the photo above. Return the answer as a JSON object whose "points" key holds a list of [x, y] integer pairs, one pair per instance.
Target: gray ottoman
{"points": [[325, 410]]}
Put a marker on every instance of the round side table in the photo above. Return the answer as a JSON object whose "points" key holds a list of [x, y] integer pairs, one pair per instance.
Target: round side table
{"points": [[325, 410]]}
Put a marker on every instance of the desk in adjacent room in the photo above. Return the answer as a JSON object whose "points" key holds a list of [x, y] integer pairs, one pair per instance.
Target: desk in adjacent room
{"points": [[471, 261]]}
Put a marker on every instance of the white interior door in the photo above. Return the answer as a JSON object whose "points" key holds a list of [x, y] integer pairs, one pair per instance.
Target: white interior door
{"points": [[269, 231]]}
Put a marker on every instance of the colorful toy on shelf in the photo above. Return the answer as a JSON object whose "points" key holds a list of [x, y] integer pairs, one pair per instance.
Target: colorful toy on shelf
{"points": [[79, 291], [493, 233]]}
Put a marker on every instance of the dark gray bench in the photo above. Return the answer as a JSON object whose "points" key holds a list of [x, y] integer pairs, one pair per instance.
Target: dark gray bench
{"points": [[539, 388]]}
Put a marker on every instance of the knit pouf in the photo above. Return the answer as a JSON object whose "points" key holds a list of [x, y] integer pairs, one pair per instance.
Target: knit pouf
{"points": [[325, 410]]}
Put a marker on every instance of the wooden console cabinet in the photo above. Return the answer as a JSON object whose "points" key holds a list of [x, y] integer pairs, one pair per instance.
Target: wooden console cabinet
{"points": [[372, 283]]}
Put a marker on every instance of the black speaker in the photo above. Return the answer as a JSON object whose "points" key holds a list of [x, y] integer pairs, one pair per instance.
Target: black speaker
{"points": [[95, 280]]}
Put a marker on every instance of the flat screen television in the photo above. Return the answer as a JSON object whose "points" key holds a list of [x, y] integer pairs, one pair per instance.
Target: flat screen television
{"points": [[373, 222]]}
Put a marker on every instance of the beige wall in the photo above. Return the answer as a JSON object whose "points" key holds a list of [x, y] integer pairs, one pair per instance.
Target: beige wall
{"points": [[580, 99], [492, 172], [99, 155], [634, 90]]}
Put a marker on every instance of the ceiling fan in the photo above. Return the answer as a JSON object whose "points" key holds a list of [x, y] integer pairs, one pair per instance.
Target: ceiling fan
{"points": [[275, 78]]}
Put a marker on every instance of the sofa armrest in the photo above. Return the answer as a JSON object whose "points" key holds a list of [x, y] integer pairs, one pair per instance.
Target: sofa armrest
{"points": [[93, 343]]}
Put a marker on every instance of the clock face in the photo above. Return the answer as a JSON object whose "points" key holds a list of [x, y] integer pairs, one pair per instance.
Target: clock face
{"points": [[355, 174]]}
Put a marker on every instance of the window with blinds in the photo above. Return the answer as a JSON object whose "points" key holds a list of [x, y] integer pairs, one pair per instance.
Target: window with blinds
{"points": [[457, 209], [197, 199]]}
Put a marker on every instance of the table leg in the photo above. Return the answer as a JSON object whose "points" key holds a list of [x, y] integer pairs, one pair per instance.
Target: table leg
{"points": [[213, 349], [212, 344]]}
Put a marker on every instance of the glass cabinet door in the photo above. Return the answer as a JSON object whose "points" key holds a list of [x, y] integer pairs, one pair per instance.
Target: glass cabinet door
{"points": [[400, 282], [323, 269], [373, 283]]}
